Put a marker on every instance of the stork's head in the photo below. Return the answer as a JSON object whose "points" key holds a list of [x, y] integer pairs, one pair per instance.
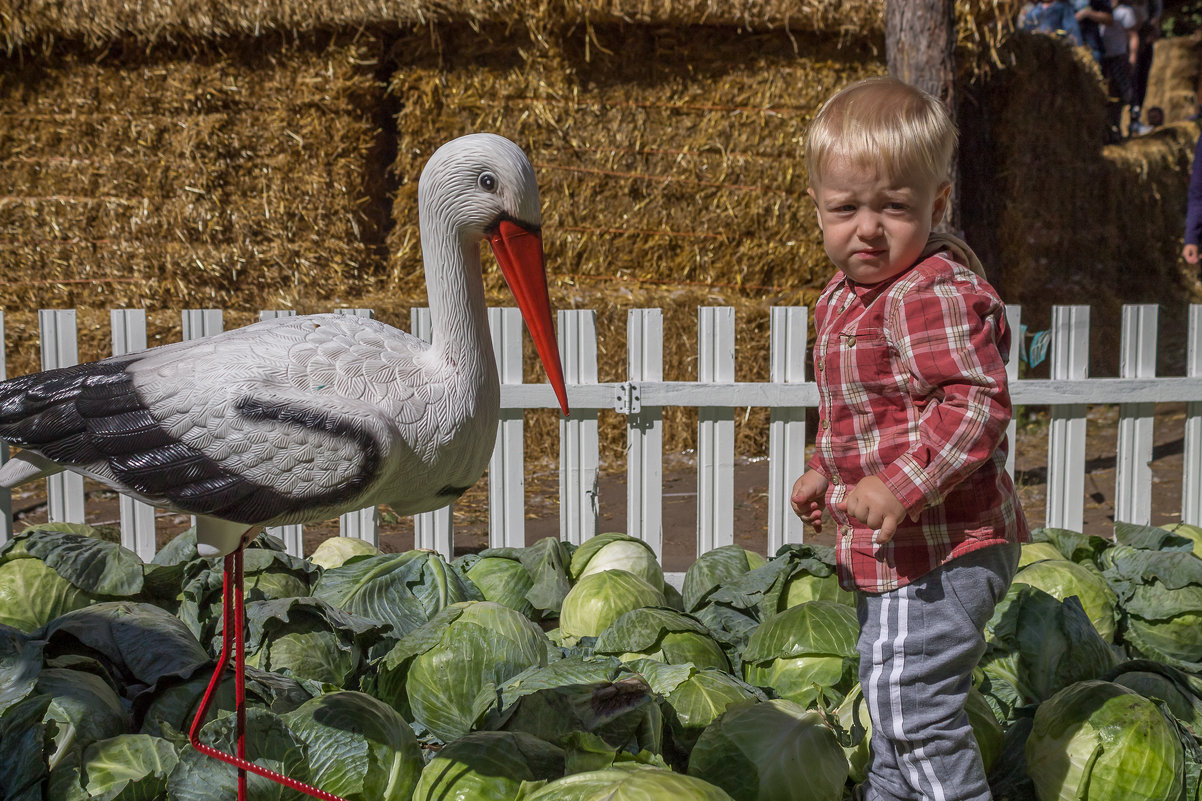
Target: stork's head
{"points": [[482, 186]]}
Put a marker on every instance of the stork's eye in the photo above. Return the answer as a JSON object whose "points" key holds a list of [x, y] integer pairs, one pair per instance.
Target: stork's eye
{"points": [[488, 182]]}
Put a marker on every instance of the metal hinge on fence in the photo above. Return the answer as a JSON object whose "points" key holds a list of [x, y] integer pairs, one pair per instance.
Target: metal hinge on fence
{"points": [[628, 399]]}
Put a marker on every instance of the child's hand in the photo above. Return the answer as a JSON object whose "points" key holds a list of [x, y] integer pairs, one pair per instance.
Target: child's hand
{"points": [[874, 505], [809, 498]]}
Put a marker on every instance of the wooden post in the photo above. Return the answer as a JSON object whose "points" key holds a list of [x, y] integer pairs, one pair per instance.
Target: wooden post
{"points": [[1133, 473], [506, 468], [1066, 434], [1191, 479]]}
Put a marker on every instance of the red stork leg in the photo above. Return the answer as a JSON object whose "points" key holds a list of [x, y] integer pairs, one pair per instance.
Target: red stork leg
{"points": [[232, 625]]}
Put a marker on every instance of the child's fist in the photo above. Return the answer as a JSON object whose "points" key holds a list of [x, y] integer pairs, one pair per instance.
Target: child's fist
{"points": [[809, 498], [872, 503]]}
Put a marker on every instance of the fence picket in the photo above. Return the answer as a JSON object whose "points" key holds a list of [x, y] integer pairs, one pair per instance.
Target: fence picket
{"points": [[715, 431], [1133, 473], [197, 323], [433, 530], [6, 496], [60, 348], [506, 468], [644, 429], [579, 444], [362, 523], [1191, 479], [292, 535], [789, 327], [137, 518], [1013, 323], [1066, 433]]}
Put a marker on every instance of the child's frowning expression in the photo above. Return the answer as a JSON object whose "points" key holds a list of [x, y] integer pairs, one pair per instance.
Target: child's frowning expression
{"points": [[874, 226]]}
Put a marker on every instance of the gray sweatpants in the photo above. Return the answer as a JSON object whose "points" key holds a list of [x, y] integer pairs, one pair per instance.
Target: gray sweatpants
{"points": [[918, 646]]}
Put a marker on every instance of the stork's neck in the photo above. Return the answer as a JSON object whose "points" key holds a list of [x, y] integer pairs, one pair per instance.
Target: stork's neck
{"points": [[455, 290]]}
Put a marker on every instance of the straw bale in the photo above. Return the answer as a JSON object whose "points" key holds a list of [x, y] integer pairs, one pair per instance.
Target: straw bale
{"points": [[239, 177], [1174, 80]]}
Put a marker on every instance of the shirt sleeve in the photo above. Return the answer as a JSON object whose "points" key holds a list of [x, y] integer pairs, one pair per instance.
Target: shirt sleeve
{"points": [[1193, 213], [950, 333]]}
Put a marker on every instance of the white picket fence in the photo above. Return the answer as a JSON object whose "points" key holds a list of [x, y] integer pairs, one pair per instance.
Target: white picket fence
{"points": [[644, 395]]}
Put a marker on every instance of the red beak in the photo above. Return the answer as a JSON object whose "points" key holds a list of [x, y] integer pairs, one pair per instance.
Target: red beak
{"points": [[519, 253]]}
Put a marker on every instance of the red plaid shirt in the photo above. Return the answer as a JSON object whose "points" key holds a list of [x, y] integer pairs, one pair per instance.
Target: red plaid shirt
{"points": [[912, 383]]}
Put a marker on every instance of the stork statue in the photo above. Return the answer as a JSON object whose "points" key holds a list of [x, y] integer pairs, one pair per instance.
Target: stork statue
{"points": [[300, 419]]}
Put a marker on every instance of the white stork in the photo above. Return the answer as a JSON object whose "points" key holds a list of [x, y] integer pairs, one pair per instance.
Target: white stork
{"points": [[300, 419]]}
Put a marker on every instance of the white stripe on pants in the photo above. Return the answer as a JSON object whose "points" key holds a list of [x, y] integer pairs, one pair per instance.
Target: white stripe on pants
{"points": [[918, 646]]}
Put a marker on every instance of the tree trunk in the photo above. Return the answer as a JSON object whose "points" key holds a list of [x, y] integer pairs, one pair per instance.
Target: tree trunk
{"points": [[920, 48]]}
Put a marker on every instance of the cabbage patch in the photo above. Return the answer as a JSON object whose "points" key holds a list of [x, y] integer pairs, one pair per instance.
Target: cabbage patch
{"points": [[771, 751], [805, 653], [1096, 741], [445, 673]]}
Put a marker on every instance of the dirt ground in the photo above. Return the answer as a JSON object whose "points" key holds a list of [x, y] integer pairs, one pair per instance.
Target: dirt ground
{"points": [[751, 495]]}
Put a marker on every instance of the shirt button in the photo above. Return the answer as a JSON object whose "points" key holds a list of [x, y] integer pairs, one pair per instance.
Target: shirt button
{"points": [[821, 365], [851, 341], [836, 481], [826, 424]]}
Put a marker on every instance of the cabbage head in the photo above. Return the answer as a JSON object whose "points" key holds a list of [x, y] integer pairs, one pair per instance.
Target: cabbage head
{"points": [[501, 579], [771, 751], [1098, 741], [1160, 593], [714, 568], [691, 699], [336, 551], [662, 634], [598, 599], [1033, 552], [1037, 645], [445, 672], [616, 551], [403, 590], [309, 639], [357, 747], [805, 652], [489, 766], [1180, 691], [634, 783], [1061, 578], [46, 572]]}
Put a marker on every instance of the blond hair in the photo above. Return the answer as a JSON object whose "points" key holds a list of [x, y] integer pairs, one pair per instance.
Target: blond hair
{"points": [[886, 123]]}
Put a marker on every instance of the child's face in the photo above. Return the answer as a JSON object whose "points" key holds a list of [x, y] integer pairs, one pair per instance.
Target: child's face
{"points": [[874, 227]]}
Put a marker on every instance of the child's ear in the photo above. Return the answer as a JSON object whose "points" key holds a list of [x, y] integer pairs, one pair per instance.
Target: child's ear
{"points": [[814, 198], [940, 207]]}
